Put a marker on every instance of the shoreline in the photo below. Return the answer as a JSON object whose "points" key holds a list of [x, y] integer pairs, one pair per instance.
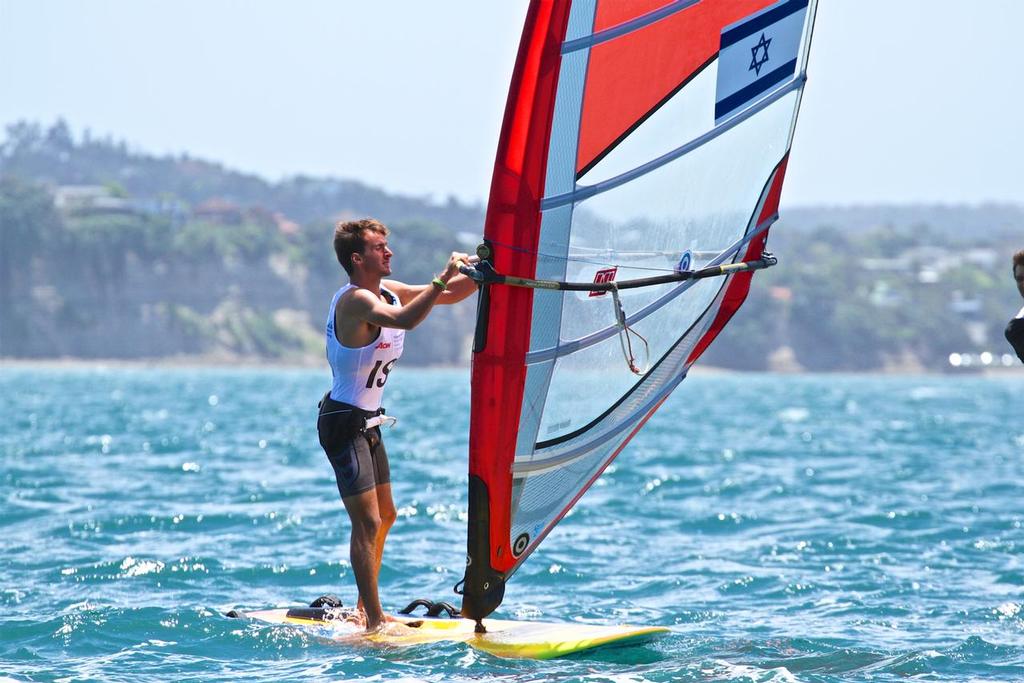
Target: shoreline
{"points": [[252, 363]]}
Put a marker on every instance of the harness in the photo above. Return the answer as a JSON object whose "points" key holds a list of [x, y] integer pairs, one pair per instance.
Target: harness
{"points": [[358, 422]]}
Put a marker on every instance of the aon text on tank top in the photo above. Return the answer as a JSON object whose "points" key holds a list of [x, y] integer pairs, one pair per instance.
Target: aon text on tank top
{"points": [[361, 373]]}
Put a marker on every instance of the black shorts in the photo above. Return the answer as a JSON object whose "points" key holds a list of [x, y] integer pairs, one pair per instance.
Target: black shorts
{"points": [[359, 459]]}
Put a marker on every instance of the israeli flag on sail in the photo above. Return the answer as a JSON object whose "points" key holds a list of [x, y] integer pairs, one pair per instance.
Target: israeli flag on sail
{"points": [[758, 53]]}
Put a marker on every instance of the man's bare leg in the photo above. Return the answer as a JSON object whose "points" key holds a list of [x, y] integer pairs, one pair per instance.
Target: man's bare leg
{"points": [[388, 514], [364, 512]]}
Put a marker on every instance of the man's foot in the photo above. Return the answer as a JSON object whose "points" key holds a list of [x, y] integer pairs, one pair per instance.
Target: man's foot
{"points": [[395, 628], [357, 617], [374, 622]]}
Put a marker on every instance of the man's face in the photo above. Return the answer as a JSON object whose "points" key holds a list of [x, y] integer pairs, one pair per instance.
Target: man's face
{"points": [[1018, 275], [376, 255]]}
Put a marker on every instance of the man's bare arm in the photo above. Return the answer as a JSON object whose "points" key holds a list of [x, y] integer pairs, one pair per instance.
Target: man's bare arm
{"points": [[363, 305], [367, 306], [459, 287]]}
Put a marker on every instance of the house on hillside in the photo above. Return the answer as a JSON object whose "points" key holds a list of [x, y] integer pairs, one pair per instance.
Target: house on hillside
{"points": [[219, 211], [91, 200], [77, 200]]}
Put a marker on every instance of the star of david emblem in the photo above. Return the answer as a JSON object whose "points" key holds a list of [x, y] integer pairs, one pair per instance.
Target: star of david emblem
{"points": [[762, 46]]}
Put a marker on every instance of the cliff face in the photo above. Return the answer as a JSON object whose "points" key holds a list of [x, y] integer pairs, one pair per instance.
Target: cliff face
{"points": [[262, 308], [110, 253]]}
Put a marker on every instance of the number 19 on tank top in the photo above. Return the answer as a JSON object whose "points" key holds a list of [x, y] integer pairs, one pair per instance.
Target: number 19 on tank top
{"points": [[384, 369]]}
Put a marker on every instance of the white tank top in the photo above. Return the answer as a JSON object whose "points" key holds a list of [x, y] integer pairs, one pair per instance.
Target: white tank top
{"points": [[360, 373]]}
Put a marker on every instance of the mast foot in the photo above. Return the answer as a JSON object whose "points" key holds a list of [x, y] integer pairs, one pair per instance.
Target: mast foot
{"points": [[480, 628]]}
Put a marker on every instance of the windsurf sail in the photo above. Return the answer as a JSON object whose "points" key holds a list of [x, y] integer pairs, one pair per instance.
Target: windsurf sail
{"points": [[639, 168]]}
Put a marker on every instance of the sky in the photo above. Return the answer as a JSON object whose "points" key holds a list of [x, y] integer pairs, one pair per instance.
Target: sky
{"points": [[908, 101]]}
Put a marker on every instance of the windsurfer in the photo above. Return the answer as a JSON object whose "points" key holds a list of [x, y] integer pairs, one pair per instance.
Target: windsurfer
{"points": [[1015, 329], [365, 337]]}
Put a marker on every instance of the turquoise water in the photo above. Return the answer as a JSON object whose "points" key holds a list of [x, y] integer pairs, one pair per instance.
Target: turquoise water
{"points": [[784, 528]]}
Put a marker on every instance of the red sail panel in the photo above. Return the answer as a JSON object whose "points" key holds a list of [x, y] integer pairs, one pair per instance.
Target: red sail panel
{"points": [[611, 14], [630, 76], [512, 226]]}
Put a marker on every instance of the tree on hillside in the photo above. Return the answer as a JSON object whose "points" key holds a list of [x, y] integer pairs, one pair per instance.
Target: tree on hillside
{"points": [[28, 225]]}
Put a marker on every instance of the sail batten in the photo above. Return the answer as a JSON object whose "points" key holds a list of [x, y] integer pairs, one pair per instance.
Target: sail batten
{"points": [[638, 137], [627, 26]]}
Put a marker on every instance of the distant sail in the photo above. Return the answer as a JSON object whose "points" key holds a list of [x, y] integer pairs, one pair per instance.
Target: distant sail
{"points": [[642, 140]]}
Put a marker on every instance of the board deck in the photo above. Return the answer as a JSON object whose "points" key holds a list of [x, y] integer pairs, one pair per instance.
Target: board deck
{"points": [[504, 638]]}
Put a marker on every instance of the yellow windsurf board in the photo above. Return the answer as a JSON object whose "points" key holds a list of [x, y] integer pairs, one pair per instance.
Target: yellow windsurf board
{"points": [[504, 638]]}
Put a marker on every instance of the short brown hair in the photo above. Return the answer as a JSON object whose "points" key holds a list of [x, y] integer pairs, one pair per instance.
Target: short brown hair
{"points": [[1018, 258], [349, 238]]}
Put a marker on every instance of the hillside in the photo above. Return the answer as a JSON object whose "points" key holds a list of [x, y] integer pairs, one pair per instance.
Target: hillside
{"points": [[109, 252]]}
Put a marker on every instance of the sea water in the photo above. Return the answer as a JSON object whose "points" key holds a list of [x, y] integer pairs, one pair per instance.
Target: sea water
{"points": [[785, 528]]}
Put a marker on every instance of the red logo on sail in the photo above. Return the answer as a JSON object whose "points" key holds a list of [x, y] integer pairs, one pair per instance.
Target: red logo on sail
{"points": [[604, 275]]}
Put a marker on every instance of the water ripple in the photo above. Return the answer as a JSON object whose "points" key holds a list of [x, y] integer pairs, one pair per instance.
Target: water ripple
{"points": [[785, 528]]}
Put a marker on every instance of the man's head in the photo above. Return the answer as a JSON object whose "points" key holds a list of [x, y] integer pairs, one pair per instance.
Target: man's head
{"points": [[363, 244], [1018, 270]]}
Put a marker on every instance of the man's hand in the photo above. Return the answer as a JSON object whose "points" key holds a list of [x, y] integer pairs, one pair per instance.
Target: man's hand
{"points": [[455, 261]]}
